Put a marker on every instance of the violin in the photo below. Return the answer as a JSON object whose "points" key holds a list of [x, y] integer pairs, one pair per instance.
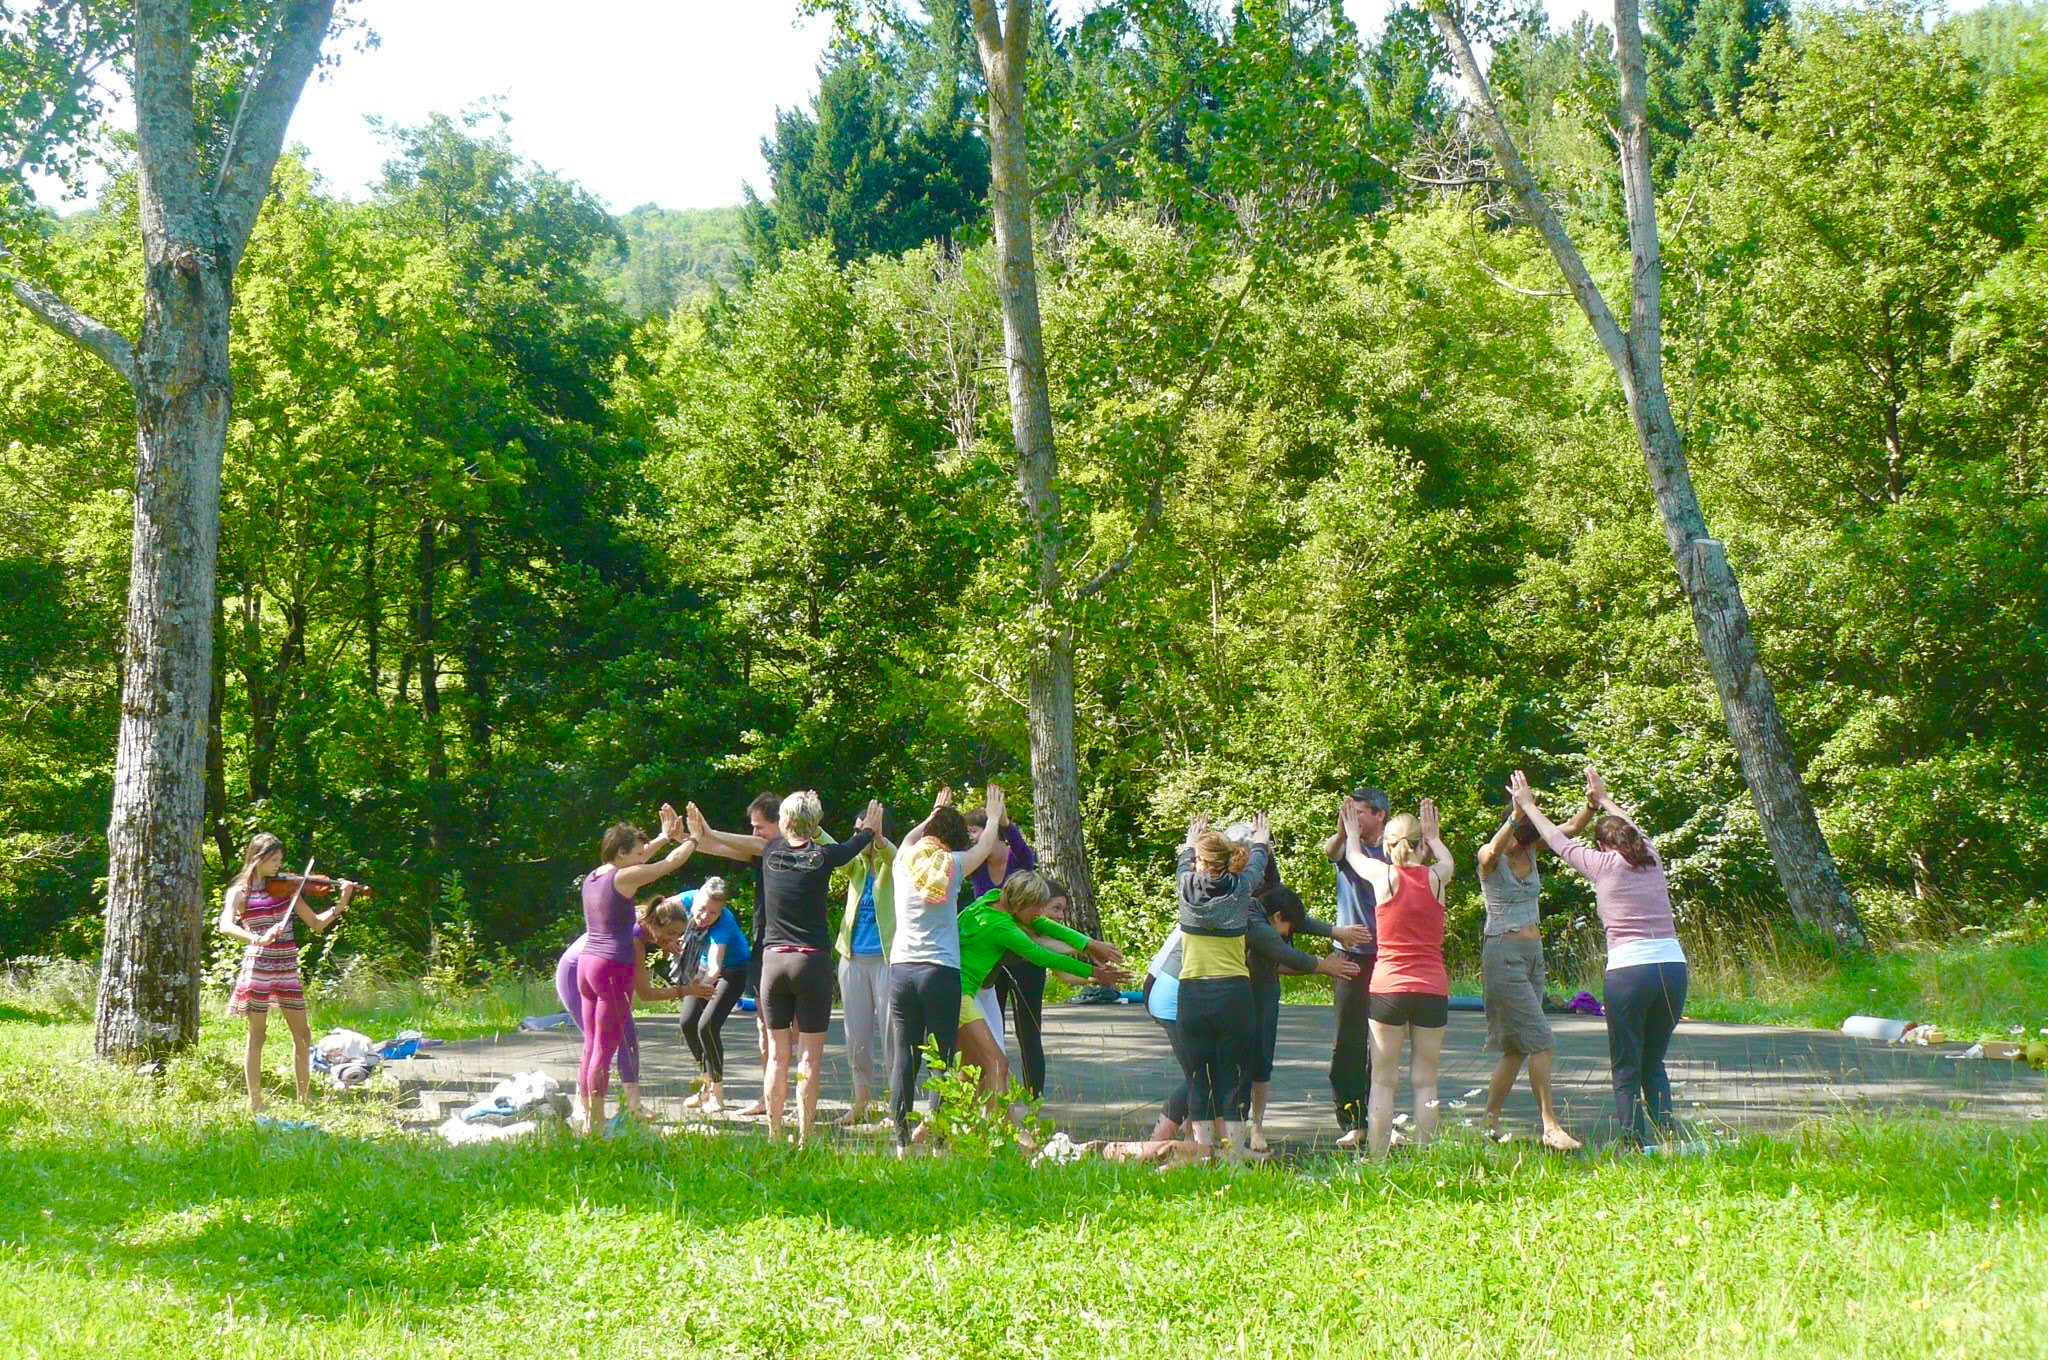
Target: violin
{"points": [[316, 885]]}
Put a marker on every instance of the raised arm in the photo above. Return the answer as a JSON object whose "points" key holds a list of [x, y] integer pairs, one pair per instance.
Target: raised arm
{"points": [[1490, 853], [864, 833], [634, 877], [1365, 866], [1333, 845], [724, 844], [945, 799], [978, 853], [1598, 798], [1444, 867]]}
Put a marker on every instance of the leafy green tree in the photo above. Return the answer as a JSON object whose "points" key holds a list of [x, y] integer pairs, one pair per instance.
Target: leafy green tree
{"points": [[213, 90], [865, 172]]}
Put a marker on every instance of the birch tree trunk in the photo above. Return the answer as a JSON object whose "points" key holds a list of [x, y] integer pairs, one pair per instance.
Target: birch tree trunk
{"points": [[1806, 867], [1002, 40], [193, 237]]}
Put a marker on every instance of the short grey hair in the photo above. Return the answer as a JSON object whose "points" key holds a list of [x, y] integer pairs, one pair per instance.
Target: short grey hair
{"points": [[714, 888], [801, 812]]}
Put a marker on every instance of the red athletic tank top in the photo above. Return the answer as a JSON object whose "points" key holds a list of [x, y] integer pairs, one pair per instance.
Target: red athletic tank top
{"points": [[1411, 935]]}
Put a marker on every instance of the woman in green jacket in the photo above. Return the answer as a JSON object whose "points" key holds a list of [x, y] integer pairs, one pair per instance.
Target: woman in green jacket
{"points": [[865, 929], [1005, 921]]}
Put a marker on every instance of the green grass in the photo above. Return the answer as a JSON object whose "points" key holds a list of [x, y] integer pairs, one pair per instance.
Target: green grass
{"points": [[1972, 991], [148, 1217]]}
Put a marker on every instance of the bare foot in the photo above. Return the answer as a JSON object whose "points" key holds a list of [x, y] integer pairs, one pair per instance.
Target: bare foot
{"points": [[1351, 1138], [855, 1116], [1557, 1140], [753, 1111], [1256, 1140]]}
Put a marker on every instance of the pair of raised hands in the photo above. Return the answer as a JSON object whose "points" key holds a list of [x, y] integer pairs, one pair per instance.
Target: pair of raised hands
{"points": [[996, 803], [1524, 798], [1432, 824], [1262, 828]]}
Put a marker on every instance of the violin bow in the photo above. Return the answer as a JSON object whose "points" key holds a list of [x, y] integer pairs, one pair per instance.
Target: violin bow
{"points": [[297, 893]]}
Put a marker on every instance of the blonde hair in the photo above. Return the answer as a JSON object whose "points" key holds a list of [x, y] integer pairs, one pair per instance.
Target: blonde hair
{"points": [[1216, 853], [930, 866], [1025, 891], [801, 813], [1402, 840]]}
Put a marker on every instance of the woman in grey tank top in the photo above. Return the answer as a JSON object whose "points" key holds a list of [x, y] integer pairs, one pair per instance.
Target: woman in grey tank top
{"points": [[1511, 969]]}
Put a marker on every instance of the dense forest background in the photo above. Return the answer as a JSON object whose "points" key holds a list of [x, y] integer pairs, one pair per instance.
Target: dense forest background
{"points": [[536, 516]]}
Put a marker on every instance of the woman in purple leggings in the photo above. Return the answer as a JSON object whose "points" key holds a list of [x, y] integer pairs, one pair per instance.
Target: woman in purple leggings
{"points": [[659, 929], [611, 956]]}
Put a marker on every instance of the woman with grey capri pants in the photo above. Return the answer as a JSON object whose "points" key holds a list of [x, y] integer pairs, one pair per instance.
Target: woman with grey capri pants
{"points": [[1511, 970]]}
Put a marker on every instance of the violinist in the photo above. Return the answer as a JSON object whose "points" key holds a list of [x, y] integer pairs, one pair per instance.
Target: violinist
{"points": [[257, 910]]}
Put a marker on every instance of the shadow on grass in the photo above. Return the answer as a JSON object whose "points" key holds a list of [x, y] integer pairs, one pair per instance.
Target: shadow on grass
{"points": [[17, 1015], [215, 1205]]}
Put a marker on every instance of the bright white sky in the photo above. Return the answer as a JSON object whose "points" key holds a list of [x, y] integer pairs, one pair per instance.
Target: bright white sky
{"points": [[661, 101]]}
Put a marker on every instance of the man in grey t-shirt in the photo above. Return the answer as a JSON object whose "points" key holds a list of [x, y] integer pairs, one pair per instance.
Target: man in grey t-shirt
{"points": [[1351, 1053]]}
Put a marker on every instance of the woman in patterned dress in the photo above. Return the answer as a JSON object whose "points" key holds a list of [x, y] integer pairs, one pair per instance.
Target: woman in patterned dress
{"points": [[270, 963]]}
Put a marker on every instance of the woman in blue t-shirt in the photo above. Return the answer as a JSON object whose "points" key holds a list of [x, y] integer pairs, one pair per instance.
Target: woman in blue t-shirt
{"points": [[715, 955]]}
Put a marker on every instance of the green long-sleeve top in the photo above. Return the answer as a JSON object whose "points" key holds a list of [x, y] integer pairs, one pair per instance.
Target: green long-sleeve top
{"points": [[987, 933]]}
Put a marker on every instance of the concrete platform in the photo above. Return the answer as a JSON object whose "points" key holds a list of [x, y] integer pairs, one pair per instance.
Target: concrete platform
{"points": [[1108, 1068]]}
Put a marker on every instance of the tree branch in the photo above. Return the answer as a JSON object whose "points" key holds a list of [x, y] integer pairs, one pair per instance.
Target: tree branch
{"points": [[60, 316], [1155, 501], [253, 147], [1533, 200], [1500, 279]]}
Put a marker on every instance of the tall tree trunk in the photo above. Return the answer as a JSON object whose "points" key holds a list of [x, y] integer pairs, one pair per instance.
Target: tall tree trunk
{"points": [[193, 236], [1003, 43], [1749, 707], [149, 967]]}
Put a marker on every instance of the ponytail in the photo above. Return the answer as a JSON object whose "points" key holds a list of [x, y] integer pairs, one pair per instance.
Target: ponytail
{"points": [[1620, 835]]}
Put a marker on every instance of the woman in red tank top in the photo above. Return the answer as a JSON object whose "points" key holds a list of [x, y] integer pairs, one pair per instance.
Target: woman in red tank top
{"points": [[1409, 996]]}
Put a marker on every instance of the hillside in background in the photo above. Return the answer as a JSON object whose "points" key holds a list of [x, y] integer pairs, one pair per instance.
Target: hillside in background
{"points": [[671, 256]]}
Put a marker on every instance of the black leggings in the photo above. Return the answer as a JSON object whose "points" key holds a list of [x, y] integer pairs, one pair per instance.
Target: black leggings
{"points": [[1216, 1038], [1020, 988], [1265, 1042], [1643, 1005], [703, 1021], [1351, 1057], [924, 1000]]}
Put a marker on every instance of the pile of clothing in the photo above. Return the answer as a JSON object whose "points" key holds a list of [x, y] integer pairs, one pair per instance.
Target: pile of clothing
{"points": [[348, 1058], [513, 1108]]}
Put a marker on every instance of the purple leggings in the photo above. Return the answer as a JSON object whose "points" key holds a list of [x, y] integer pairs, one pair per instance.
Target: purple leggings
{"points": [[572, 1002], [605, 988]]}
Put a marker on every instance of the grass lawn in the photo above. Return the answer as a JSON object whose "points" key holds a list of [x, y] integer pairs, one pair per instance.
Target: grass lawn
{"points": [[148, 1217]]}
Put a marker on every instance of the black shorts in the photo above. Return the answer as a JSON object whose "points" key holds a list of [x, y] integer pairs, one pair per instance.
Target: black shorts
{"points": [[796, 989], [1420, 1009]]}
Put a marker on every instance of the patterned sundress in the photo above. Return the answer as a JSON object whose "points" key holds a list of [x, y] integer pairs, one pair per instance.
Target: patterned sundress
{"points": [[269, 972]]}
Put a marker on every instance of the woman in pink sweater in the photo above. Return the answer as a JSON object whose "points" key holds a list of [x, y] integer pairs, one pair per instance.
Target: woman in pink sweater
{"points": [[1644, 990]]}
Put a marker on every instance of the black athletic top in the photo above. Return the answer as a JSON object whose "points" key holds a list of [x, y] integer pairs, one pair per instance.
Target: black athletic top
{"points": [[796, 890]]}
